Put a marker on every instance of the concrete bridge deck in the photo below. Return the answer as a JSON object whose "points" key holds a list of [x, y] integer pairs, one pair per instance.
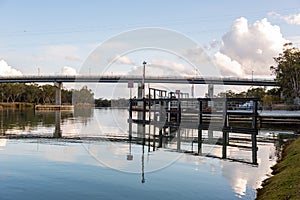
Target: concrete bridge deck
{"points": [[148, 79]]}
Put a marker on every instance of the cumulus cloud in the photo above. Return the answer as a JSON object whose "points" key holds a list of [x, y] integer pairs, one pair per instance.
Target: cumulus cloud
{"points": [[68, 71], [6, 70], [246, 48], [290, 19], [228, 66]]}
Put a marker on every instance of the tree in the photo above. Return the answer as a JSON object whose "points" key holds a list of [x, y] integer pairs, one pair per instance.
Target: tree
{"points": [[32, 93], [17, 90], [66, 96], [102, 102], [228, 94], [83, 96], [287, 71], [256, 92], [48, 93]]}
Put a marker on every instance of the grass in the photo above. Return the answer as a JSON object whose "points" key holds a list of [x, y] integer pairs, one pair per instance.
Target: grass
{"points": [[285, 184]]}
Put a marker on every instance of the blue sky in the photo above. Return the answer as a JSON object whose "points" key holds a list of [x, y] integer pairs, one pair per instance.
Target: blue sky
{"points": [[50, 35]]}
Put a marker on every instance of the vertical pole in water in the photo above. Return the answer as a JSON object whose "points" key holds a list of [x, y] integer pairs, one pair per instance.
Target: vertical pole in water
{"points": [[200, 128], [143, 165], [211, 105], [225, 118], [154, 138], [143, 79], [169, 117], [149, 125], [254, 134], [160, 138], [140, 106], [58, 86], [178, 116], [144, 120], [178, 139], [162, 121], [129, 156], [225, 141], [130, 119]]}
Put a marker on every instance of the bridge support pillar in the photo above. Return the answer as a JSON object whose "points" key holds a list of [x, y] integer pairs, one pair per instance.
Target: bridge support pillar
{"points": [[58, 86], [210, 91]]}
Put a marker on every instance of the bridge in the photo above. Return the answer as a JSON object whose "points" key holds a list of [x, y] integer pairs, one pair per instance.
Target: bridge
{"points": [[148, 79], [59, 79]]}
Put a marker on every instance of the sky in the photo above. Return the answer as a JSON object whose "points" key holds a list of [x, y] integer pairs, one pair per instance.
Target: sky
{"points": [[61, 37]]}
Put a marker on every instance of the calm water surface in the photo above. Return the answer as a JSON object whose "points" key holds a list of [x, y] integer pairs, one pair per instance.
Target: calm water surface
{"points": [[73, 156]]}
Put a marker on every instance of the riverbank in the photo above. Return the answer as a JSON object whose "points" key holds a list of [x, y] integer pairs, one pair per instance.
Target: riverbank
{"points": [[16, 105], [285, 184]]}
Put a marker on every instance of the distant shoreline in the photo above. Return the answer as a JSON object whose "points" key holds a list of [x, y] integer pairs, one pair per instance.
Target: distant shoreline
{"points": [[16, 105]]}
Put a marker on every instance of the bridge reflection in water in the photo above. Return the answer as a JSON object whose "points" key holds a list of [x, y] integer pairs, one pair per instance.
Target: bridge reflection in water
{"points": [[197, 126]]}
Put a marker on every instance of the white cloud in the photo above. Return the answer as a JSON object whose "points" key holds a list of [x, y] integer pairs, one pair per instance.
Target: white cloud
{"points": [[246, 48], [290, 19], [6, 70], [68, 71], [122, 60], [228, 66]]}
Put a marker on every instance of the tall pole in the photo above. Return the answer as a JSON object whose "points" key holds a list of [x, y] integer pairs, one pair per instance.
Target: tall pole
{"points": [[143, 80]]}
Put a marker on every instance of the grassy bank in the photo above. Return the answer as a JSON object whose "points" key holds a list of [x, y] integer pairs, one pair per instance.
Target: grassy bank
{"points": [[285, 184]]}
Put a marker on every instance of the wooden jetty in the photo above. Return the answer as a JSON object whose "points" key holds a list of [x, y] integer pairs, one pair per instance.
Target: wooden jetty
{"points": [[170, 114], [54, 107]]}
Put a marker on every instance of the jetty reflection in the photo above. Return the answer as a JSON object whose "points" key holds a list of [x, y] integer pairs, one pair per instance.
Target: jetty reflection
{"points": [[51, 143], [185, 124], [182, 135]]}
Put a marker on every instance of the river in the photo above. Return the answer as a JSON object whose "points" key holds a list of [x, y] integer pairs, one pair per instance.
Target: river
{"points": [[86, 154]]}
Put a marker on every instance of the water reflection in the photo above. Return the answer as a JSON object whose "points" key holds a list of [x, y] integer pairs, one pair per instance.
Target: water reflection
{"points": [[196, 141], [174, 157], [30, 123], [3, 142]]}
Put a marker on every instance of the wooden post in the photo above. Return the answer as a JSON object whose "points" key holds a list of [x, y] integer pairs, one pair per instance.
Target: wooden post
{"points": [[199, 141], [178, 139], [225, 142], [200, 128], [130, 119], [154, 138], [254, 135], [160, 136]]}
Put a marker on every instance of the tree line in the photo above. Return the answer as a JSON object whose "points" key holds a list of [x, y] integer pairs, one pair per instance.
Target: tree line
{"points": [[265, 97], [43, 94]]}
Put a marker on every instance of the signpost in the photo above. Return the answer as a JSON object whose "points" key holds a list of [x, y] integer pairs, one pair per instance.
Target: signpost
{"points": [[130, 86]]}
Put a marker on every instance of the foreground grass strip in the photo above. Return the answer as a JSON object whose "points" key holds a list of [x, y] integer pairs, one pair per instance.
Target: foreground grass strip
{"points": [[285, 184]]}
